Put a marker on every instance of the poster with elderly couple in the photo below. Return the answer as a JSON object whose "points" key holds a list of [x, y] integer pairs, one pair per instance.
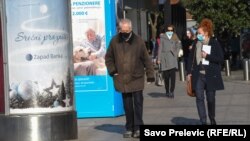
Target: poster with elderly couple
{"points": [[89, 47], [39, 57]]}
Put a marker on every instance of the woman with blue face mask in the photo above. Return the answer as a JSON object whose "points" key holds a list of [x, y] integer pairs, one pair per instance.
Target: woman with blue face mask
{"points": [[204, 65], [167, 58]]}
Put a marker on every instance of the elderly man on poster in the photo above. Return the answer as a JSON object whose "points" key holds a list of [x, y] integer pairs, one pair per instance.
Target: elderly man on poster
{"points": [[89, 56], [95, 44]]}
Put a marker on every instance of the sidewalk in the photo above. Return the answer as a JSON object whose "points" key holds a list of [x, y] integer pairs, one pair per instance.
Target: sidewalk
{"points": [[232, 107]]}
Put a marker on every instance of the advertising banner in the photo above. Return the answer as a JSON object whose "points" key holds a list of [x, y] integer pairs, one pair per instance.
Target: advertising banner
{"points": [[89, 47], [93, 26], [39, 56]]}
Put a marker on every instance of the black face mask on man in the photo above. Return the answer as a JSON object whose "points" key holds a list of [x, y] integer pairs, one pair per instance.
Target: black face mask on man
{"points": [[125, 35]]}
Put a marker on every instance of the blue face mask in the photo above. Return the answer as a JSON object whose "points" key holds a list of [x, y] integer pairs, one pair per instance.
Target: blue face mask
{"points": [[169, 34], [200, 37]]}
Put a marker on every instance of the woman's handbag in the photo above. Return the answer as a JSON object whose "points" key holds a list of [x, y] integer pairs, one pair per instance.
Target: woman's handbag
{"points": [[159, 79], [190, 90]]}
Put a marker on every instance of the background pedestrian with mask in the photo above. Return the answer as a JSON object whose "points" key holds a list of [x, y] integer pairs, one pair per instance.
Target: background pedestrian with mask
{"points": [[127, 60], [204, 65], [168, 58]]}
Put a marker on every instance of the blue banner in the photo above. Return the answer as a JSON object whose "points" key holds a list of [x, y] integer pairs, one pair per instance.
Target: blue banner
{"points": [[93, 25], [89, 46]]}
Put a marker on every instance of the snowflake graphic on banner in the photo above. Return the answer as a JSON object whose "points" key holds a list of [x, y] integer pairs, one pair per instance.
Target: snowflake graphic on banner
{"points": [[53, 89]]}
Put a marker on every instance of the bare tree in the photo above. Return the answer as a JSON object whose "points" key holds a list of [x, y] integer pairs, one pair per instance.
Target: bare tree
{"points": [[153, 23]]}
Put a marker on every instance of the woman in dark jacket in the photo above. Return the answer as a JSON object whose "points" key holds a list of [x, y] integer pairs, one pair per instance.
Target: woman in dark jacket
{"points": [[187, 43], [204, 66]]}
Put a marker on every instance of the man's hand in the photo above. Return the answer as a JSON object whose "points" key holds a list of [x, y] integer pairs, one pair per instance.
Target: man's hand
{"points": [[150, 80], [92, 57]]}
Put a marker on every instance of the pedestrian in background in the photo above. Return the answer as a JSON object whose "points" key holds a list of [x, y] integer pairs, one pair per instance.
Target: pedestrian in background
{"points": [[204, 66], [127, 60], [187, 43], [168, 58]]}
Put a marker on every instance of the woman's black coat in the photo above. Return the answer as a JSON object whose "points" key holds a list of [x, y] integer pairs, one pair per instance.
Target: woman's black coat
{"points": [[213, 70]]}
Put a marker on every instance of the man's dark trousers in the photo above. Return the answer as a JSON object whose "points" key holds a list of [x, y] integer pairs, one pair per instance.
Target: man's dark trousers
{"points": [[133, 106]]}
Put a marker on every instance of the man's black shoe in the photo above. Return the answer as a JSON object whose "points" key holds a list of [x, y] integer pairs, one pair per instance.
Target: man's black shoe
{"points": [[136, 134], [128, 134]]}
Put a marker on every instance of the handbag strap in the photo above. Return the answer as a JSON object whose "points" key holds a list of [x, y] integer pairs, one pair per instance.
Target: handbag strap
{"points": [[193, 57]]}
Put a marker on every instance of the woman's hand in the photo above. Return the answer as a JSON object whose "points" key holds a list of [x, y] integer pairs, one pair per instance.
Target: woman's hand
{"points": [[189, 77], [203, 54]]}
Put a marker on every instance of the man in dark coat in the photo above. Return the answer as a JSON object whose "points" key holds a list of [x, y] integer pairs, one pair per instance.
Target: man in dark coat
{"points": [[127, 60]]}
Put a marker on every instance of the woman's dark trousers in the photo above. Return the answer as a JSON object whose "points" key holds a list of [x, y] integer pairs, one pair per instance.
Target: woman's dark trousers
{"points": [[200, 97]]}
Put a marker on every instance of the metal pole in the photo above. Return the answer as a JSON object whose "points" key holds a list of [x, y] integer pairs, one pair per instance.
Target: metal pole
{"points": [[182, 71], [246, 69], [227, 68]]}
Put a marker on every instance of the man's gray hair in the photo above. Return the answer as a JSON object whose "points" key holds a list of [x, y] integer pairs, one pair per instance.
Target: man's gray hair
{"points": [[90, 30], [125, 21]]}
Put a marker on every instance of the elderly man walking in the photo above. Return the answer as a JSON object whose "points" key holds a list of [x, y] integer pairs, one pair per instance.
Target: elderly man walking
{"points": [[127, 60]]}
